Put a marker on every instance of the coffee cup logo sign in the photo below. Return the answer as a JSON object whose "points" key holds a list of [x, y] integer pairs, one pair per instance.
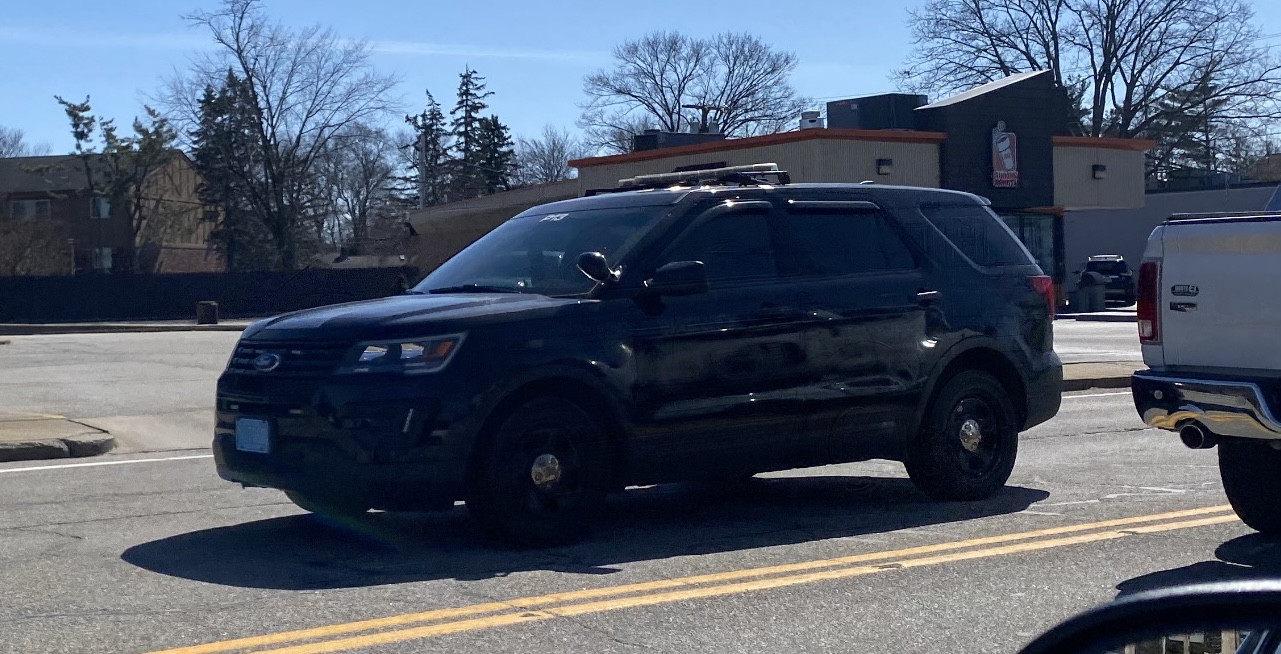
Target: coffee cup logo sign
{"points": [[1005, 157]]}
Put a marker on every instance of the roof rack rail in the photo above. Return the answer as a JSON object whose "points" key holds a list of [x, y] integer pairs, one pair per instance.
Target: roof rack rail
{"points": [[753, 174]]}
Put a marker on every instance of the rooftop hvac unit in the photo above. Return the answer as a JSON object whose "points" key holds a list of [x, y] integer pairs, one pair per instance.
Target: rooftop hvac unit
{"points": [[811, 120]]}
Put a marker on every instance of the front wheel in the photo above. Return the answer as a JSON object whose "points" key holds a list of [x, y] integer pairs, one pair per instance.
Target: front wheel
{"points": [[1251, 473], [968, 440], [544, 472]]}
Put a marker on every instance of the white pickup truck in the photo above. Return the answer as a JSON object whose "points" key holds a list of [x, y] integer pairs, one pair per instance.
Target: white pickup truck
{"points": [[1209, 321]]}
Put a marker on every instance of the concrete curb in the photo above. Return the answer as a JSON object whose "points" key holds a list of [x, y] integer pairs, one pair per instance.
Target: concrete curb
{"points": [[57, 448], [1070, 385], [14, 329]]}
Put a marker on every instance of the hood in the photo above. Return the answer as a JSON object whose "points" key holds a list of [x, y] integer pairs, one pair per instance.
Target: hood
{"points": [[404, 315]]}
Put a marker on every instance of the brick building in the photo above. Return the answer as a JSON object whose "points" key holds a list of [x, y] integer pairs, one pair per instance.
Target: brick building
{"points": [[53, 223]]}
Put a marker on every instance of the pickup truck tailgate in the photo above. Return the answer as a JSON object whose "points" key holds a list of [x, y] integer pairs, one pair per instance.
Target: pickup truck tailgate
{"points": [[1220, 295]]}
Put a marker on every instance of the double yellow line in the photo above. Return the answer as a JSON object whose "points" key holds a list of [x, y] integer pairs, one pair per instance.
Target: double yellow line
{"points": [[427, 624]]}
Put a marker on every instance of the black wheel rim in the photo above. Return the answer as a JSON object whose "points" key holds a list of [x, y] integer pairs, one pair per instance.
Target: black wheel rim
{"points": [[979, 433], [550, 471]]}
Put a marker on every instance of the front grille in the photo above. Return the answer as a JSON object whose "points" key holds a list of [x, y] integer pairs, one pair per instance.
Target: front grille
{"points": [[296, 359]]}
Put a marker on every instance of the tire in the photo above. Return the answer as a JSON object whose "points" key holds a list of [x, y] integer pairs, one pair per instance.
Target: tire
{"points": [[545, 471], [1251, 473], [968, 440], [326, 507]]}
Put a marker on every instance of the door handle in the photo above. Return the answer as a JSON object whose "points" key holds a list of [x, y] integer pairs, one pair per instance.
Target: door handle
{"points": [[924, 296]]}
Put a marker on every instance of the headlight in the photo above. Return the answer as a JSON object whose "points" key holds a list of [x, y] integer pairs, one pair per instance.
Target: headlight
{"points": [[409, 356]]}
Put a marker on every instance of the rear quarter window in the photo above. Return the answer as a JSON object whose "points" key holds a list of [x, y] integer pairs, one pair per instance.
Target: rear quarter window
{"points": [[977, 233]]}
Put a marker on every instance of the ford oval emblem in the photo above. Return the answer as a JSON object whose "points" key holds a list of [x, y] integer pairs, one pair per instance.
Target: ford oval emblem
{"points": [[267, 362]]}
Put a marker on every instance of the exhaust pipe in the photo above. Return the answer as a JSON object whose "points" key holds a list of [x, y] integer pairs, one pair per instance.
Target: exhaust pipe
{"points": [[1197, 437]]}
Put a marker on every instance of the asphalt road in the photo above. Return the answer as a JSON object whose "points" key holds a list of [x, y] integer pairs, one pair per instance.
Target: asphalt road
{"points": [[1090, 342], [145, 556]]}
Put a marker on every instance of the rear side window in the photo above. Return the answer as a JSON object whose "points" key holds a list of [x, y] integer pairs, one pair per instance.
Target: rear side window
{"points": [[833, 242], [978, 234]]}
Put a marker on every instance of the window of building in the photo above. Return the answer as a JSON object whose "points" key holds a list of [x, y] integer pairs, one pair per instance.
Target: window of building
{"points": [[733, 248], [99, 208], [102, 259], [828, 243], [28, 209]]}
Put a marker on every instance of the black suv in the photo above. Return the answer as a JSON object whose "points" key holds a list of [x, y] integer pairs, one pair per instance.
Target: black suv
{"points": [[1118, 279], [707, 329]]}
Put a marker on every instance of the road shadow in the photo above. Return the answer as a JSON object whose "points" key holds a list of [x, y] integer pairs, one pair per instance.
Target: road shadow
{"points": [[299, 552], [1253, 556]]}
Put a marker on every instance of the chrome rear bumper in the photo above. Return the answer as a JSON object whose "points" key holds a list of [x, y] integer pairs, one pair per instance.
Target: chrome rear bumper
{"points": [[1227, 408]]}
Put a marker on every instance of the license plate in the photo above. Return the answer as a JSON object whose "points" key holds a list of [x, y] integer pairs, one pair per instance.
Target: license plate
{"points": [[253, 435]]}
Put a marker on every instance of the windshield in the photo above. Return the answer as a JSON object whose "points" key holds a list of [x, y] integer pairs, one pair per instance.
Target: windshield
{"points": [[538, 253]]}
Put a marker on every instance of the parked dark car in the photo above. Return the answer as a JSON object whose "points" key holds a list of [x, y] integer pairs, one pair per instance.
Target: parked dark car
{"points": [[714, 328], [1115, 274]]}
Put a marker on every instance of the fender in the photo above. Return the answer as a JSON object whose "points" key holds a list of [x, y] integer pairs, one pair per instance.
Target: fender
{"points": [[957, 349]]}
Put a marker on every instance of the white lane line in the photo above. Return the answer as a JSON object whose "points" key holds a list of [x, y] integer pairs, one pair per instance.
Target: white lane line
{"points": [[1068, 397], [93, 464]]}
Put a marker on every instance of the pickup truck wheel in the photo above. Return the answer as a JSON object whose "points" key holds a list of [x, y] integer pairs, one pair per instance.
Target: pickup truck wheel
{"points": [[327, 508], [546, 470], [1251, 473], [968, 440]]}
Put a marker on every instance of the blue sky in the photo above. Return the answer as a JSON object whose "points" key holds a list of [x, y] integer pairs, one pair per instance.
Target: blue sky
{"points": [[534, 54]]}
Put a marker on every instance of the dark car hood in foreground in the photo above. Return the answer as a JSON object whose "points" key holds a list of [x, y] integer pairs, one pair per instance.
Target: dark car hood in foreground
{"points": [[403, 315]]}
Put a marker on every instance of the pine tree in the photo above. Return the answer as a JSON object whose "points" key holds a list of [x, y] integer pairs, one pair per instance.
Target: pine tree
{"points": [[224, 152], [467, 178], [431, 154], [496, 153]]}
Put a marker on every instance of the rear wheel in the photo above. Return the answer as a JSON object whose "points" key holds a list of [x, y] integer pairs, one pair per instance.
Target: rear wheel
{"points": [[546, 470], [326, 507], [968, 440], [1251, 473]]}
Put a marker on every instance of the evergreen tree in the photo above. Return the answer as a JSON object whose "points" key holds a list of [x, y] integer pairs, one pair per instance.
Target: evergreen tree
{"points": [[431, 154], [496, 153], [467, 178], [224, 151]]}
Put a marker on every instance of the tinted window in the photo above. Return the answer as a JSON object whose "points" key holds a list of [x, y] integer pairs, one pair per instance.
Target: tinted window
{"points": [[733, 247], [842, 243], [977, 233]]}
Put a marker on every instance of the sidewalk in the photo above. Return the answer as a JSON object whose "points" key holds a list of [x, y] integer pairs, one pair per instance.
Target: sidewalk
{"points": [[25, 436], [25, 329]]}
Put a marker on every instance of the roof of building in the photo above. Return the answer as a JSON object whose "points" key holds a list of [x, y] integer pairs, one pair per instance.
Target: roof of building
{"points": [[985, 88], [890, 135], [44, 174]]}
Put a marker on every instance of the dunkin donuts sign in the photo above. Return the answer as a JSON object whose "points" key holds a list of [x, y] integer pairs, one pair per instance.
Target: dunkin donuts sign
{"points": [[1005, 157]]}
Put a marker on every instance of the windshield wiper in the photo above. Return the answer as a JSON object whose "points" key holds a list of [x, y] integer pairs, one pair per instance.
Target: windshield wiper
{"points": [[473, 288]]}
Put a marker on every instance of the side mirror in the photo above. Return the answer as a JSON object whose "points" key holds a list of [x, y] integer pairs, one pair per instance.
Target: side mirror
{"points": [[679, 278], [596, 267]]}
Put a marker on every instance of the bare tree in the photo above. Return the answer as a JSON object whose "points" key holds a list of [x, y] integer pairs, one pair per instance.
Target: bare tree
{"points": [[304, 86], [13, 144], [358, 170], [35, 248], [1138, 67], [735, 81], [545, 159]]}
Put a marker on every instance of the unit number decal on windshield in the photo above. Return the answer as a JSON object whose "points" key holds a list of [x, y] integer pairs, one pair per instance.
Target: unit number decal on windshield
{"points": [[553, 217]]}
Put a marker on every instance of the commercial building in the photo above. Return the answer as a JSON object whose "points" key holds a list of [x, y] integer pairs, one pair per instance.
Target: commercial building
{"points": [[1007, 141]]}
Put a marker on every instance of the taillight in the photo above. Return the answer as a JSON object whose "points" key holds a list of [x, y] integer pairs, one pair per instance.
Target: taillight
{"points": [[1044, 286], [1149, 310]]}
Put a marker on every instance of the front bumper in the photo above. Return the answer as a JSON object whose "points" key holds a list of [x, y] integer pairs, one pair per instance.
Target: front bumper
{"points": [[384, 442], [1225, 407]]}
